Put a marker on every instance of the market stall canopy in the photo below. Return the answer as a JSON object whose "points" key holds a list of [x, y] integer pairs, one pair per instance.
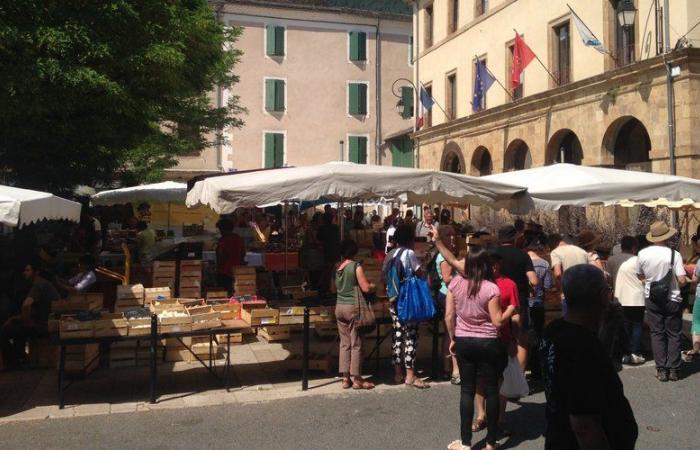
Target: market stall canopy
{"points": [[19, 207], [551, 187], [167, 191], [344, 181], [685, 204]]}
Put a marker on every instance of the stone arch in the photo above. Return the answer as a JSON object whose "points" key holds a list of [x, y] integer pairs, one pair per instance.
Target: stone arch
{"points": [[627, 141], [482, 163], [452, 158], [567, 142], [517, 156]]}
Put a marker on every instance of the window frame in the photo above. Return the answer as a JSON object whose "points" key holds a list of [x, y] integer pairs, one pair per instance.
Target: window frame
{"points": [[347, 99], [481, 8], [274, 57], [264, 96], [428, 119], [556, 56], [451, 101], [349, 46], [428, 38], [485, 60], [265, 132], [347, 149], [517, 93], [452, 16]]}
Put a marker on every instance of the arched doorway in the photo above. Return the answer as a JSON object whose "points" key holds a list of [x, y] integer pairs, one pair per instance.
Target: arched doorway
{"points": [[627, 140], [517, 156], [564, 146], [452, 159], [482, 164]]}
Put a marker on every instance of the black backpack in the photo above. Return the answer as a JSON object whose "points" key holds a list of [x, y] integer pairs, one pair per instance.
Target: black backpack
{"points": [[660, 291]]}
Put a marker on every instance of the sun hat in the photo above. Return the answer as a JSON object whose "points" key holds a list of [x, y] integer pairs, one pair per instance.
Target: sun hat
{"points": [[659, 232]]}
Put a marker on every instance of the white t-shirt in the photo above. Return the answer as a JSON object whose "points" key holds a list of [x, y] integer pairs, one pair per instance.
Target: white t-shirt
{"points": [[408, 259], [629, 289], [389, 234], [654, 263]]}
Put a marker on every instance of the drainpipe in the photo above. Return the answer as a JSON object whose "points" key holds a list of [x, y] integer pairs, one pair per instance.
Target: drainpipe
{"points": [[219, 104], [416, 100], [378, 96]]}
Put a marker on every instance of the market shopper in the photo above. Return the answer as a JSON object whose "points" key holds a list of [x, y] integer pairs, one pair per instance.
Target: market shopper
{"points": [[473, 317], [589, 240], [446, 273], [627, 249], [695, 328], [664, 275], [517, 265], [564, 254], [32, 321], [404, 337], [349, 278], [329, 237], [145, 242], [629, 292], [423, 227], [586, 405], [230, 252], [535, 249]]}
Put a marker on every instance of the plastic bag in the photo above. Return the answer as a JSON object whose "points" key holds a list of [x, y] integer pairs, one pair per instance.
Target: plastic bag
{"points": [[415, 303], [514, 382]]}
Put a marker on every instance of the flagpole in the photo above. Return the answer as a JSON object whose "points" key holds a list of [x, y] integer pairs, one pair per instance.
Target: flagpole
{"points": [[541, 63], [496, 79], [438, 104]]}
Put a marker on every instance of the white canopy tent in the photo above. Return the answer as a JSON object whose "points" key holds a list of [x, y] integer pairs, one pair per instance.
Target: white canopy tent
{"points": [[19, 207], [551, 187], [167, 191], [344, 181]]}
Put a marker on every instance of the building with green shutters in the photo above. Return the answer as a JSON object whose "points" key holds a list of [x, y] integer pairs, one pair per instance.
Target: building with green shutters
{"points": [[316, 78]]}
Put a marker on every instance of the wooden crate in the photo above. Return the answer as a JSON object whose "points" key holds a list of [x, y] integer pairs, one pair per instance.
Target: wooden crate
{"points": [[190, 292], [157, 294], [291, 320], [244, 270], [228, 311], [168, 282], [174, 316], [140, 327], [275, 334], [204, 317], [236, 338], [166, 305], [326, 330], [175, 328], [71, 327], [260, 316], [190, 282], [164, 265], [133, 291], [111, 325], [79, 302], [217, 295]]}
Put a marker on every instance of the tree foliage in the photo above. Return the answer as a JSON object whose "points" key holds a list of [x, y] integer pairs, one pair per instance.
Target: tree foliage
{"points": [[98, 91]]}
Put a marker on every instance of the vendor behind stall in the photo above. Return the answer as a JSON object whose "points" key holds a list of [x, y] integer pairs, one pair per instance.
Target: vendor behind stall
{"points": [[230, 252], [83, 280], [33, 319], [145, 242]]}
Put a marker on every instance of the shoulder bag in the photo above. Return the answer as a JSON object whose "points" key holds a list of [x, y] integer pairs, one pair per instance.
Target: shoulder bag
{"points": [[365, 320], [660, 291]]}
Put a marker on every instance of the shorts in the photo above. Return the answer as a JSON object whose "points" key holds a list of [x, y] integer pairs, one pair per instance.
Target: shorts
{"points": [[524, 313]]}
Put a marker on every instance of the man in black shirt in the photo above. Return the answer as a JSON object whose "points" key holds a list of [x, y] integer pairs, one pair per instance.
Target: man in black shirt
{"points": [[586, 404], [517, 265]]}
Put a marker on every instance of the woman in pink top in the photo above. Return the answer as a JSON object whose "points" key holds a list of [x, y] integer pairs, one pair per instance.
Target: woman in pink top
{"points": [[473, 316]]}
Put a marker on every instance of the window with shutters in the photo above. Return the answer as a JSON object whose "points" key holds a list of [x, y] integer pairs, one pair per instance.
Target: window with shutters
{"points": [[453, 16], [428, 27], [274, 41], [273, 150], [562, 53], [275, 95], [401, 152], [451, 96], [357, 98], [517, 93], [357, 149], [358, 46], [407, 99]]}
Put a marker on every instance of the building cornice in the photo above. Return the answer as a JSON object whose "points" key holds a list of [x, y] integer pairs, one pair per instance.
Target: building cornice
{"points": [[317, 8], [528, 107]]}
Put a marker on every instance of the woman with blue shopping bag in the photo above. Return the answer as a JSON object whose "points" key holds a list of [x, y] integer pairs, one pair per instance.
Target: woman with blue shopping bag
{"points": [[406, 292]]}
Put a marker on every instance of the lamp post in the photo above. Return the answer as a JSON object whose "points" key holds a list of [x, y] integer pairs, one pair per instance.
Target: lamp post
{"points": [[342, 153], [626, 13], [401, 104]]}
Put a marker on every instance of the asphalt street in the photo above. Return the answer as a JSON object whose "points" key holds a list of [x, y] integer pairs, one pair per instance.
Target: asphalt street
{"points": [[667, 415]]}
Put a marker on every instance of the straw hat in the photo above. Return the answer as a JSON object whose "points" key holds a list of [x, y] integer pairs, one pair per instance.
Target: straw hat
{"points": [[588, 238], [659, 232]]}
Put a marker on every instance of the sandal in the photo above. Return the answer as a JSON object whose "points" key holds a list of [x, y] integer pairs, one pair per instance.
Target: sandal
{"points": [[457, 445], [419, 385], [456, 380], [347, 384], [365, 385], [478, 425]]}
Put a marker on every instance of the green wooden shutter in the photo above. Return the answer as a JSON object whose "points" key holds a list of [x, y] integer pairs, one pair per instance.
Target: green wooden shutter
{"points": [[362, 150], [410, 49], [275, 40], [362, 99], [407, 97], [353, 46], [402, 152], [279, 95], [353, 149], [279, 150], [361, 46], [353, 107], [270, 95], [269, 150]]}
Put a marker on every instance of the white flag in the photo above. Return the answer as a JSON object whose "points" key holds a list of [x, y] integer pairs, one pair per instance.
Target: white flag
{"points": [[587, 36]]}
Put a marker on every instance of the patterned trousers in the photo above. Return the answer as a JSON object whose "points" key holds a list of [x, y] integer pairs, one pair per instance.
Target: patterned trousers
{"points": [[403, 335]]}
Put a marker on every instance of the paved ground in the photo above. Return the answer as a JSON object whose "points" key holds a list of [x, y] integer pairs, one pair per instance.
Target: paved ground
{"points": [[389, 418]]}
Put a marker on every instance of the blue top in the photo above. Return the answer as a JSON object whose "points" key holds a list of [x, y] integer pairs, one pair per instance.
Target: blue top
{"points": [[544, 274]]}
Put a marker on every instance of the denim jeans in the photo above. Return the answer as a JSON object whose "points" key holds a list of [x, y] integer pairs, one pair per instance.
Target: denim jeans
{"points": [[634, 317], [480, 359]]}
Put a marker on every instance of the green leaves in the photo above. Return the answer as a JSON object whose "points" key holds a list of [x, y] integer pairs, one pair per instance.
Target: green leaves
{"points": [[95, 92]]}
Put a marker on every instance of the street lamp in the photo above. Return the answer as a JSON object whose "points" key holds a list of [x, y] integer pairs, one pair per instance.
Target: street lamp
{"points": [[401, 105], [626, 13]]}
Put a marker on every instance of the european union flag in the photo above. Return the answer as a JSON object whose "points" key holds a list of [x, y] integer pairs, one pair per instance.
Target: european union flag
{"points": [[482, 83]]}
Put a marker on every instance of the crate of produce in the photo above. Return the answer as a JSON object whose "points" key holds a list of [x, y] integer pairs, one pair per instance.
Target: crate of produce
{"points": [[71, 328], [174, 315], [132, 291], [276, 333], [291, 320], [140, 326], [111, 325], [260, 316], [292, 311], [204, 317], [175, 328], [157, 294], [251, 303], [164, 305], [228, 310]]}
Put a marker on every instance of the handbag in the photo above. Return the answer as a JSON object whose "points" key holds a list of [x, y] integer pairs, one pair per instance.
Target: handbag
{"points": [[415, 301], [365, 321], [659, 291], [514, 382]]}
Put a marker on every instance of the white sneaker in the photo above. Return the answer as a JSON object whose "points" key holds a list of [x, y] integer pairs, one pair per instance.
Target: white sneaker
{"points": [[626, 359], [637, 359]]}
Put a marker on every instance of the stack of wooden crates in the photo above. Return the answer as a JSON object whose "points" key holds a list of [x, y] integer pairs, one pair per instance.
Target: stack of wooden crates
{"points": [[129, 296], [164, 274], [244, 280], [81, 359], [190, 278]]}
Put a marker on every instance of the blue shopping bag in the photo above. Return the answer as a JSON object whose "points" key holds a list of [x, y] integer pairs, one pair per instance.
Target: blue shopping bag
{"points": [[415, 302]]}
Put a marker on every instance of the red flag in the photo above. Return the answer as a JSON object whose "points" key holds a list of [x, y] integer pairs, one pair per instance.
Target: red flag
{"points": [[522, 55]]}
